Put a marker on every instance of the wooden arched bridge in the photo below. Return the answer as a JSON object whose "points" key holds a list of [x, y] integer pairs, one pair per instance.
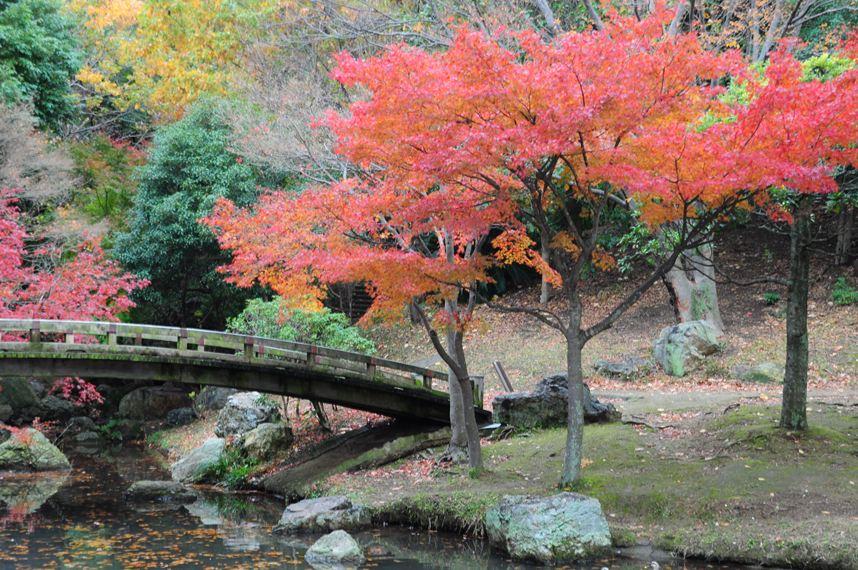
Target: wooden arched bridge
{"points": [[122, 351]]}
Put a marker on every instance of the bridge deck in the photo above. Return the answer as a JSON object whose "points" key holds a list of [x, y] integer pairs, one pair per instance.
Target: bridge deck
{"points": [[98, 350]]}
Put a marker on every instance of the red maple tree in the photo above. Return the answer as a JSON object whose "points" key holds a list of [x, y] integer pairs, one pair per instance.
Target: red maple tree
{"points": [[498, 133]]}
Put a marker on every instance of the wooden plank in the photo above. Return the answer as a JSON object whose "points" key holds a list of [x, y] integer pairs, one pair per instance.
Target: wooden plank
{"points": [[501, 374]]}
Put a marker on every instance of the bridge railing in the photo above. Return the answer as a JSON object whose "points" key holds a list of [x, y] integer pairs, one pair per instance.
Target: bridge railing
{"points": [[74, 336]]}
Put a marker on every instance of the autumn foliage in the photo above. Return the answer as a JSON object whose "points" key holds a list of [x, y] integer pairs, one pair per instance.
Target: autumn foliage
{"points": [[37, 283]]}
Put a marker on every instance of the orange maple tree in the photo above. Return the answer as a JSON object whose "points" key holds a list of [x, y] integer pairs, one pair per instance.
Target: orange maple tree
{"points": [[497, 133]]}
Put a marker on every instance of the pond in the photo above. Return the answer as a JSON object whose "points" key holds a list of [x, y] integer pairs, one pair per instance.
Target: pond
{"points": [[80, 520]]}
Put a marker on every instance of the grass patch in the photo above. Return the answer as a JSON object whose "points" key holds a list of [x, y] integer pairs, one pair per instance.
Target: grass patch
{"points": [[457, 512]]}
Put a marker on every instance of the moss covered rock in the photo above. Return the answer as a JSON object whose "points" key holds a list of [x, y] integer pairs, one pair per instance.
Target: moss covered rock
{"points": [[335, 550], [29, 450], [682, 348], [561, 528]]}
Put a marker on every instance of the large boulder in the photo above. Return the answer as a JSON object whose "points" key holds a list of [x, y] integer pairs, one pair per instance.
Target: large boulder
{"points": [[546, 406], [322, 515], [162, 491], [194, 467], [766, 372], [561, 528], [682, 348], [626, 368], [335, 550], [18, 393], [152, 402], [30, 450], [266, 440], [212, 398], [243, 412]]}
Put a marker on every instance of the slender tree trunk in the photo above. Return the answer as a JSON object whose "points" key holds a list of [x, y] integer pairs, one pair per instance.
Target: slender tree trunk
{"points": [[458, 448], [794, 407], [472, 430], [575, 384], [545, 291]]}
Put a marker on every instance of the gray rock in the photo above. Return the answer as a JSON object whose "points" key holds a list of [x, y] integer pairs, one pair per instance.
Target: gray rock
{"points": [[768, 372], [38, 387], [81, 423], [243, 412], [5, 412], [88, 442], [31, 451], [561, 528], [335, 550], [152, 402], [129, 429], [682, 348], [193, 467], [322, 515], [266, 440], [627, 368], [54, 408], [547, 406], [212, 398], [163, 491], [17, 394], [181, 416]]}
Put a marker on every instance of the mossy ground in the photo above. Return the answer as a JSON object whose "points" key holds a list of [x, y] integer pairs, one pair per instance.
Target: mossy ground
{"points": [[729, 486]]}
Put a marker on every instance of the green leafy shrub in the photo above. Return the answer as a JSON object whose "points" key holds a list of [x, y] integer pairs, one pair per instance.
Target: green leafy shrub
{"points": [[232, 469], [771, 298], [844, 293], [324, 327]]}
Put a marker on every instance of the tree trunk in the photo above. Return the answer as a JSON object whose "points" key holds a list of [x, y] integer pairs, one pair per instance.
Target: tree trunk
{"points": [[794, 407], [575, 405], [692, 287], [545, 291], [465, 432], [458, 448], [845, 223]]}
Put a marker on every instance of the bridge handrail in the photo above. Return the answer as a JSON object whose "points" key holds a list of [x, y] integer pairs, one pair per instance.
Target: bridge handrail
{"points": [[33, 328]]}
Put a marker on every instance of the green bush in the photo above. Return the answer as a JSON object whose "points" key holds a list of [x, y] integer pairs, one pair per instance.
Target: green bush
{"points": [[771, 298], [232, 469], [844, 293], [324, 327]]}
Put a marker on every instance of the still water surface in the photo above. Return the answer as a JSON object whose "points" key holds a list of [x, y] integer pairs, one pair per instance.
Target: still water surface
{"points": [[80, 520]]}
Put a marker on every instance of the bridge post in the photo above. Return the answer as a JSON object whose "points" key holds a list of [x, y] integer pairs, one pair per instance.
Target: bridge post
{"points": [[478, 384], [248, 347], [370, 368], [182, 343], [427, 381], [111, 334], [35, 332]]}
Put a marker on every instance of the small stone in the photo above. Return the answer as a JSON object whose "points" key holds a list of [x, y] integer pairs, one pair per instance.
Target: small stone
{"points": [[212, 398], [766, 372], [163, 491], [335, 550], [628, 368], [81, 423], [181, 416], [322, 515]]}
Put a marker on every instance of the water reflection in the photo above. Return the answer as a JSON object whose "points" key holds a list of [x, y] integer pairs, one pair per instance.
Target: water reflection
{"points": [[80, 520]]}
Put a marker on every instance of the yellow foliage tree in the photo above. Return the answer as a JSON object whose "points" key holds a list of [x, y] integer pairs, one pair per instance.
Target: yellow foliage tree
{"points": [[162, 55]]}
